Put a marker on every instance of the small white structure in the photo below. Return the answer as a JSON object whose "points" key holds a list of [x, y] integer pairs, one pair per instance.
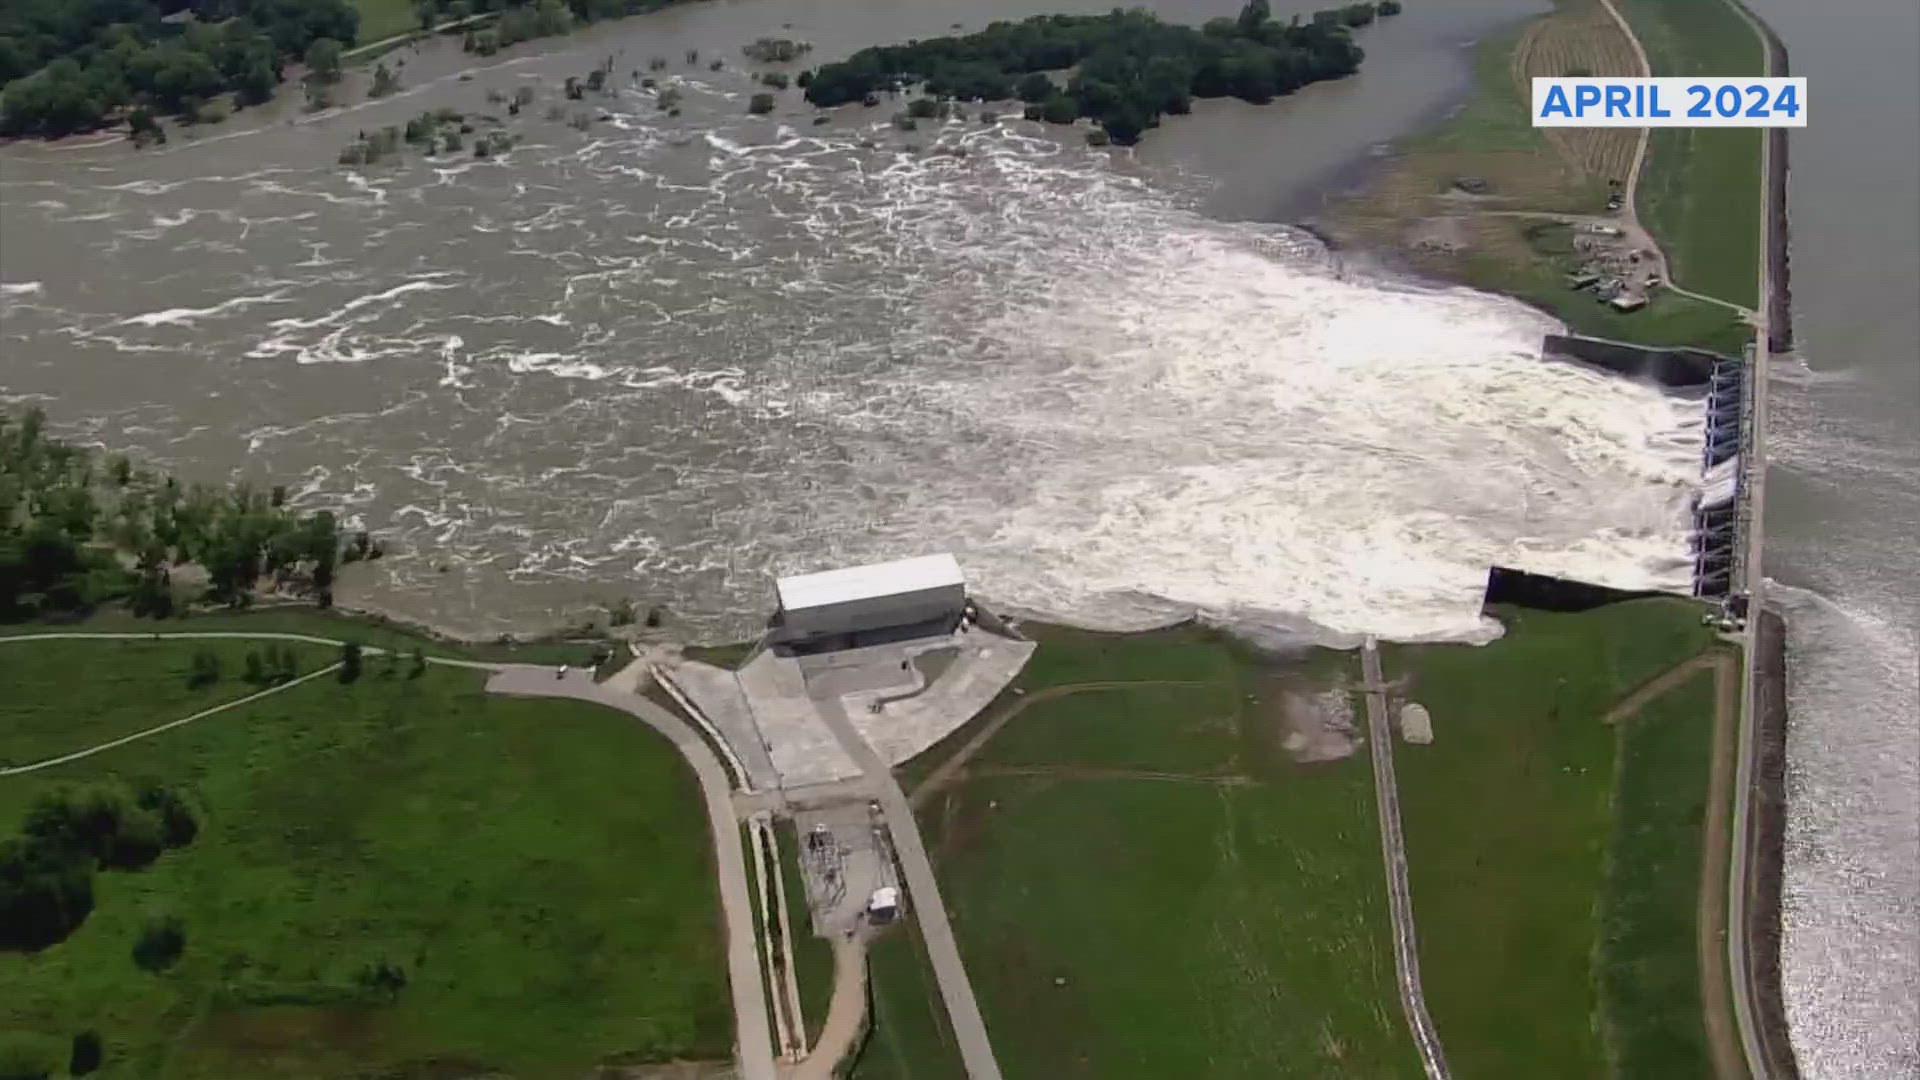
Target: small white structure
{"points": [[1416, 724], [873, 597], [884, 905]]}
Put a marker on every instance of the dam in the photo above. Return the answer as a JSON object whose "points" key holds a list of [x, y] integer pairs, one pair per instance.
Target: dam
{"points": [[1719, 518]]}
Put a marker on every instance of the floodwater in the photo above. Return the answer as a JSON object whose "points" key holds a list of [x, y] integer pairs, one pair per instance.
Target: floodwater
{"points": [[662, 358], [1843, 515]]}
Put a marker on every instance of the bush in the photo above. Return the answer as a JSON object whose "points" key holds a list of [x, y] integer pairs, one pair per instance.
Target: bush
{"points": [[350, 652], [86, 1054], [161, 942], [205, 670], [212, 111], [46, 892], [1060, 109], [760, 104], [923, 108], [775, 79], [1034, 88]]}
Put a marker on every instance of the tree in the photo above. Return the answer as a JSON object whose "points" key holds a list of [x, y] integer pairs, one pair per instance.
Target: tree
{"points": [[1060, 109], [1253, 15], [384, 82], [428, 13], [760, 104], [350, 657], [160, 944], [205, 670], [323, 59], [256, 672], [86, 1055], [1034, 88], [419, 665], [922, 108]]}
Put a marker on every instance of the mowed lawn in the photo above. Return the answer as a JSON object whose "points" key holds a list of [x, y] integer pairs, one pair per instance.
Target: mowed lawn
{"points": [[1144, 886], [1700, 193], [1649, 976], [1509, 816], [539, 870], [64, 696]]}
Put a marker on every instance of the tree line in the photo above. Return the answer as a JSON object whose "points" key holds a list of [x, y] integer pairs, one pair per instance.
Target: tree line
{"points": [[1129, 68], [78, 530], [74, 65]]}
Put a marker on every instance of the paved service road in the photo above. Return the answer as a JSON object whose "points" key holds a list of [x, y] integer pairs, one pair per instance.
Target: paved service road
{"points": [[969, 1029], [754, 1048], [1406, 955]]}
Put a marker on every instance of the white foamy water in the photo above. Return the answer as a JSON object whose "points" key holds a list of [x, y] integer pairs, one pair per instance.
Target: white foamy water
{"points": [[668, 359]]}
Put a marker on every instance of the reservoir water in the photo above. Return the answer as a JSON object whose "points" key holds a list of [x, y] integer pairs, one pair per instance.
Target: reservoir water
{"points": [[1843, 515]]}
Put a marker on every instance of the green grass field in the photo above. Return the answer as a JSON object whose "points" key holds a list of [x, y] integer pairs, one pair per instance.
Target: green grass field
{"points": [[1508, 818], [1211, 910], [63, 696], [312, 621], [1649, 974], [381, 19], [1700, 192], [538, 869]]}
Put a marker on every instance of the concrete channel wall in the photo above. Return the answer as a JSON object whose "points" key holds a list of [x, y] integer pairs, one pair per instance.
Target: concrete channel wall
{"points": [[1767, 841]]}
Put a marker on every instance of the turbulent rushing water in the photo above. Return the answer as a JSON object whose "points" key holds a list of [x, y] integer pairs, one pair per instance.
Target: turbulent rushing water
{"points": [[661, 360]]}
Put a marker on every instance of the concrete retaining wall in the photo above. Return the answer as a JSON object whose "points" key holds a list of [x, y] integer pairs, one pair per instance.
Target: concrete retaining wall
{"points": [[1766, 860], [1675, 368]]}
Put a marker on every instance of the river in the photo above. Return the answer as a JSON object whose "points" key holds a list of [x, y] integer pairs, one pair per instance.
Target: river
{"points": [[664, 357], [1843, 512]]}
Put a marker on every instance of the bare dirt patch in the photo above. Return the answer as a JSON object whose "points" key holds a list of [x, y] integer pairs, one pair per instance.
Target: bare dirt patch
{"points": [[1319, 725]]}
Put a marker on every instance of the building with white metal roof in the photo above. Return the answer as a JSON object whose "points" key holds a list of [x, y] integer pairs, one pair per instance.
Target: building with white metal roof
{"points": [[857, 599]]}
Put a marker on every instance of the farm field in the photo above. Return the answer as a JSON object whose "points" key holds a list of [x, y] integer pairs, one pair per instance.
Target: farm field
{"points": [[1513, 820], [533, 870], [1144, 883]]}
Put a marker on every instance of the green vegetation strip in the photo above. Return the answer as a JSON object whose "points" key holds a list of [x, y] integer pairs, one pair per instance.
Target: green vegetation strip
{"points": [[1509, 818], [810, 954], [1700, 192], [1144, 884], [1649, 955], [910, 1039], [394, 877]]}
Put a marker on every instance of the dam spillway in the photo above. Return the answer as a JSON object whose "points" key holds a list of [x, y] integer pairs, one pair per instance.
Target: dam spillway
{"points": [[1719, 519]]}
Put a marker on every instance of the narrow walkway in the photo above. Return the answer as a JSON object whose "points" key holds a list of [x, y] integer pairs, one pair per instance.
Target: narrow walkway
{"points": [[1406, 955], [844, 1013]]}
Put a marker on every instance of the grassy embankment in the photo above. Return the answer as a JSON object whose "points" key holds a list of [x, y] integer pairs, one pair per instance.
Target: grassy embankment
{"points": [[1145, 884], [1554, 861], [534, 867], [1700, 193], [1506, 239], [909, 1038]]}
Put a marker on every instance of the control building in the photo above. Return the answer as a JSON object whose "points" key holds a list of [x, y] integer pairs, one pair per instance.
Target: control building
{"points": [[854, 605]]}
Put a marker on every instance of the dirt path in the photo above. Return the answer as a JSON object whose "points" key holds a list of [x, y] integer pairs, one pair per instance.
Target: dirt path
{"points": [[845, 1013], [1630, 208], [1658, 685], [950, 768], [1088, 772]]}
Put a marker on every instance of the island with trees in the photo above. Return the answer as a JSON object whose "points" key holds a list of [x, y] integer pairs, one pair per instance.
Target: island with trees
{"points": [[1127, 68]]}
